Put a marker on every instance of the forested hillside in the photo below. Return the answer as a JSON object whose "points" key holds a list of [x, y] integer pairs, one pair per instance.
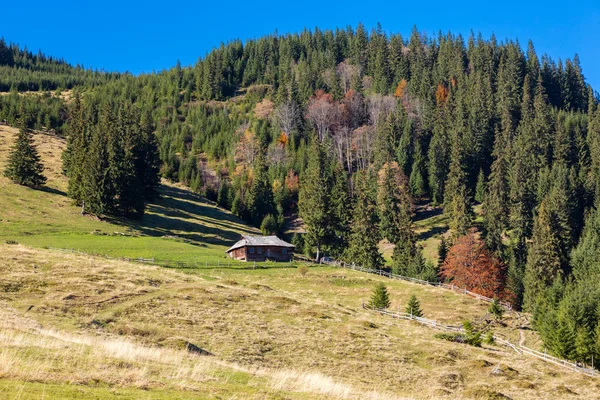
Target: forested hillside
{"points": [[350, 128]]}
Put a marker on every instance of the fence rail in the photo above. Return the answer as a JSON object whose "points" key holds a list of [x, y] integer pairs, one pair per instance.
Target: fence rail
{"points": [[519, 349], [453, 288]]}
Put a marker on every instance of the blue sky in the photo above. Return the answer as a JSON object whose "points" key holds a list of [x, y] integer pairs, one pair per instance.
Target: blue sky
{"points": [[152, 35]]}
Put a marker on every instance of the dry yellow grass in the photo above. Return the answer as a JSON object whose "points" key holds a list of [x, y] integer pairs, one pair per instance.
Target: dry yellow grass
{"points": [[272, 334]]}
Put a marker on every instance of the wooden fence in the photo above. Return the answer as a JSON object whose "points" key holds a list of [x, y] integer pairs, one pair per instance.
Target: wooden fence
{"points": [[519, 349], [381, 272]]}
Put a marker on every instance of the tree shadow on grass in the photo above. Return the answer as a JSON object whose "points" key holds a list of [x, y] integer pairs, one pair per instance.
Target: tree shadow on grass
{"points": [[50, 190], [436, 230], [188, 216]]}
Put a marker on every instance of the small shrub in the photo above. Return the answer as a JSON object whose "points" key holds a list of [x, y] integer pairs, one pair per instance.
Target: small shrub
{"points": [[472, 334], [451, 337], [496, 309], [303, 269], [489, 339], [11, 242]]}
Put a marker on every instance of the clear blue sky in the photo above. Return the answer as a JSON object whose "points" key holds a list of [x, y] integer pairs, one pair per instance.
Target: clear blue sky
{"points": [[152, 35]]}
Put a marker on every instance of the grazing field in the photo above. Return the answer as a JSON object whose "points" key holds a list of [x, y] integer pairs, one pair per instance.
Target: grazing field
{"points": [[78, 326], [179, 226]]}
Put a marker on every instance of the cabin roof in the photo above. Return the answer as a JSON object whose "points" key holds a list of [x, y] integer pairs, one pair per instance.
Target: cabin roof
{"points": [[248, 240]]}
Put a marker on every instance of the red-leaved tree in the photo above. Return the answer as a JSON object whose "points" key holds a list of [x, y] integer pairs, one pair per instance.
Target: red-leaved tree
{"points": [[471, 266]]}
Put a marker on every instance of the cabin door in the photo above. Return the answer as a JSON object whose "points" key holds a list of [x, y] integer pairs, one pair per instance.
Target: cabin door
{"points": [[268, 253]]}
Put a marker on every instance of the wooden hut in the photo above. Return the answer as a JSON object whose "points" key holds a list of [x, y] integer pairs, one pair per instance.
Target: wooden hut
{"points": [[261, 248]]}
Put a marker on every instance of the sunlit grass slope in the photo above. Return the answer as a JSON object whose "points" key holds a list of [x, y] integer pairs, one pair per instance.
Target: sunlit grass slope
{"points": [[82, 326], [179, 226]]}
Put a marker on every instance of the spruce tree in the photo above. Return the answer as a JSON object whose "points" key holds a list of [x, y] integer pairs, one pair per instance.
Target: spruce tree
{"points": [[481, 187], [457, 204], [496, 309], [363, 243], [543, 261], [414, 307], [260, 196], [394, 203], [24, 166], [417, 181], [380, 297], [313, 198], [442, 251]]}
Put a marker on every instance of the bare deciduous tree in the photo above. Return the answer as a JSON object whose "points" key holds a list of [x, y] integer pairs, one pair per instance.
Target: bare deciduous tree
{"points": [[347, 72], [380, 106], [287, 115]]}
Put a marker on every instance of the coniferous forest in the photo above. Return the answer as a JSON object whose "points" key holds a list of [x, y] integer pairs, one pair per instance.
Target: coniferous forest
{"points": [[353, 131]]}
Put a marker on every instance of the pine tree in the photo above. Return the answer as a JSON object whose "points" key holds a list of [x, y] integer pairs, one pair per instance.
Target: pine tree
{"points": [[481, 187], [457, 204], [260, 196], [363, 243], [543, 261], [414, 307], [269, 225], [380, 297], [24, 166], [313, 198], [394, 203], [496, 309], [417, 181], [442, 251], [223, 195]]}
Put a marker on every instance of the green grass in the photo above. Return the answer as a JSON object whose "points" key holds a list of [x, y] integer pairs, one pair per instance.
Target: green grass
{"points": [[178, 226], [10, 389]]}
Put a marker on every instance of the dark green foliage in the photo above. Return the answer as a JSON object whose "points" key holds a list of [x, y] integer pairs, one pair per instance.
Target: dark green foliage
{"points": [[224, 195], [260, 196], [413, 307], [442, 250], [269, 225], [380, 297], [472, 334], [112, 166], [24, 166], [480, 189], [496, 309], [363, 241], [324, 215]]}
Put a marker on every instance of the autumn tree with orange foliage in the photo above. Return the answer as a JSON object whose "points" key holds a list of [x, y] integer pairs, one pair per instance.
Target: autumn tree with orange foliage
{"points": [[399, 92], [471, 266], [441, 95]]}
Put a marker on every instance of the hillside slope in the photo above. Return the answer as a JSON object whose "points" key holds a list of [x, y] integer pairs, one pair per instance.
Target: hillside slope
{"points": [[179, 226], [78, 324]]}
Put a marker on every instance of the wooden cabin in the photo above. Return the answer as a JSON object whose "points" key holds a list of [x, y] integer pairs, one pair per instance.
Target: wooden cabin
{"points": [[261, 248]]}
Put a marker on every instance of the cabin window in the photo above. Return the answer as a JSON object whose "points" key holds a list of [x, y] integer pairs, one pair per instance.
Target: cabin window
{"points": [[284, 251], [251, 250], [259, 250]]}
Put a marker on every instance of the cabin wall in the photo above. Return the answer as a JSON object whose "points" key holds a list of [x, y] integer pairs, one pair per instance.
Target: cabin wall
{"points": [[262, 253]]}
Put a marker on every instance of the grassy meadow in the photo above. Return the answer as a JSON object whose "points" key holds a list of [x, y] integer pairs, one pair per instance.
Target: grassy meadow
{"points": [[178, 226], [75, 325]]}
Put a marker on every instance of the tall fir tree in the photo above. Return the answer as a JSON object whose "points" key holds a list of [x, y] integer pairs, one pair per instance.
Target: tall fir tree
{"points": [[363, 242], [24, 166]]}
